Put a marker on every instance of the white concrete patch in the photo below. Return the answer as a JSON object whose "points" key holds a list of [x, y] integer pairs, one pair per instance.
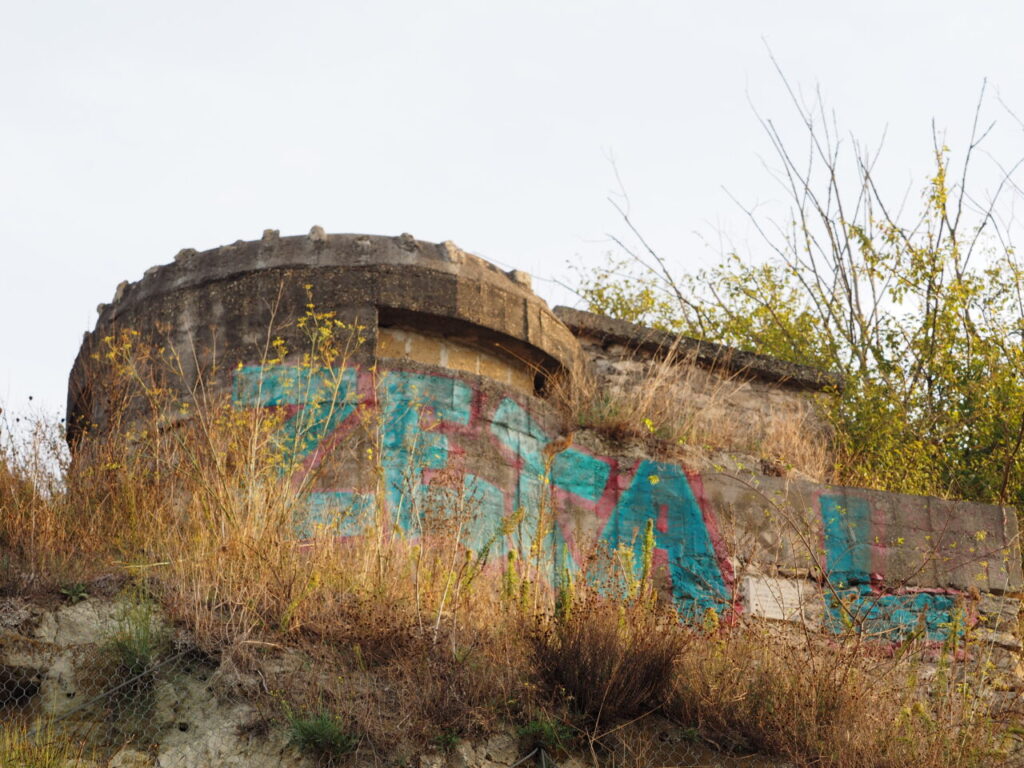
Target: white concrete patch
{"points": [[778, 599]]}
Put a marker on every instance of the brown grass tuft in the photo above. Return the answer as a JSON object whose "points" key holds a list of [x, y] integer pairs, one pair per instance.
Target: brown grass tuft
{"points": [[818, 703], [613, 658]]}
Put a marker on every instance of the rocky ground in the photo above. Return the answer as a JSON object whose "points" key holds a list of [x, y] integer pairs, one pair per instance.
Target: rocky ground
{"points": [[186, 710]]}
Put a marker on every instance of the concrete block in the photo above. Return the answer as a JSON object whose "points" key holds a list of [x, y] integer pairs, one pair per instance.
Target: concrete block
{"points": [[999, 613], [521, 278], [493, 369], [423, 349], [460, 357], [1000, 639], [391, 343], [778, 599]]}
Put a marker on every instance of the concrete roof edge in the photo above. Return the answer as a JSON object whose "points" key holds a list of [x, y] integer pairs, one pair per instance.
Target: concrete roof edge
{"points": [[517, 314], [706, 353]]}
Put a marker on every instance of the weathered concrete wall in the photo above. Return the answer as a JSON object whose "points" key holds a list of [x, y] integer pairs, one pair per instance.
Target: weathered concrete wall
{"points": [[748, 404], [402, 345], [221, 307], [716, 533], [453, 361]]}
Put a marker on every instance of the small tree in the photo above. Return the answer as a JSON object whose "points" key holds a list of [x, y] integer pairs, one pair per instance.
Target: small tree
{"points": [[922, 312]]}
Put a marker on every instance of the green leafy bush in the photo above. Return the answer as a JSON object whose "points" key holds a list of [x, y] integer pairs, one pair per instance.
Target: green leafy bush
{"points": [[920, 308], [546, 733]]}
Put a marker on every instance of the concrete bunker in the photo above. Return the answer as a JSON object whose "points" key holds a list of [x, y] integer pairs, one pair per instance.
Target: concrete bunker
{"points": [[455, 355]]}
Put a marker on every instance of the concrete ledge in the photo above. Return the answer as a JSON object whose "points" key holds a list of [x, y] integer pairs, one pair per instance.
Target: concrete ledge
{"points": [[708, 354], [439, 280]]}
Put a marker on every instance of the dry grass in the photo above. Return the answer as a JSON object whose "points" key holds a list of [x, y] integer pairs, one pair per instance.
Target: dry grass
{"points": [[414, 633], [799, 439], [614, 658], [412, 641], [671, 401], [644, 401], [830, 704], [47, 749]]}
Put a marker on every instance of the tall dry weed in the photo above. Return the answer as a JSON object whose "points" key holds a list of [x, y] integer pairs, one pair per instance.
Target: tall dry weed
{"points": [[614, 659], [798, 438]]}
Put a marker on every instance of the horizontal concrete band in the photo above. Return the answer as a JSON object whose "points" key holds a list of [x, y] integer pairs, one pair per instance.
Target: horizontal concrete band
{"points": [[864, 537]]}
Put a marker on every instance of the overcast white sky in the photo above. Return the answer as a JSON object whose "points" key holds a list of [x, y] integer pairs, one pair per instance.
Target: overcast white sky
{"points": [[129, 130]]}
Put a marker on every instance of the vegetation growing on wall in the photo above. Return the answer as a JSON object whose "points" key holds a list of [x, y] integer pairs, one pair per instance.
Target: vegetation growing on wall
{"points": [[919, 304], [658, 408]]}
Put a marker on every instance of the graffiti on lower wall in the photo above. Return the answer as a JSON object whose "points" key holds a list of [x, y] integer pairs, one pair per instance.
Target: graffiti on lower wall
{"points": [[416, 428], [854, 600]]}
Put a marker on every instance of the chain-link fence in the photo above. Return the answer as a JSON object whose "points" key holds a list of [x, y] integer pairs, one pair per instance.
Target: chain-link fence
{"points": [[98, 676], [101, 697]]}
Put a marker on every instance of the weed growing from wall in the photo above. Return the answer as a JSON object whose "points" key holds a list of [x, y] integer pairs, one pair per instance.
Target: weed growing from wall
{"points": [[675, 407], [130, 657]]}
